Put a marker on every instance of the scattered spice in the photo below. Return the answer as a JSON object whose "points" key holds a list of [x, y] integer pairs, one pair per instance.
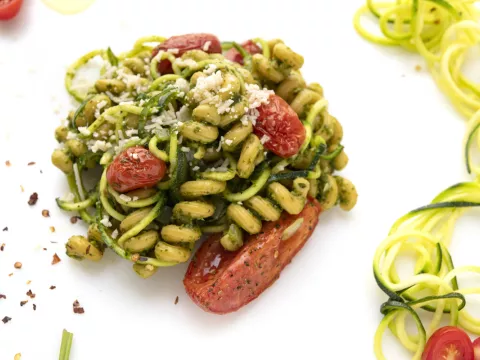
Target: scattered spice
{"points": [[23, 302], [44, 249], [77, 309], [29, 282], [6, 319], [53, 287], [135, 257], [8, 163], [30, 294], [74, 219], [176, 300], [10, 274], [5, 228], [2, 247], [31, 163], [17, 265], [22, 189], [3, 296], [45, 213], [33, 199], [275, 254], [52, 229], [56, 259], [418, 68], [34, 307]]}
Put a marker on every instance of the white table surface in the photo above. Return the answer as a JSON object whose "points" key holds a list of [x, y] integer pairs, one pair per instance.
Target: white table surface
{"points": [[401, 134]]}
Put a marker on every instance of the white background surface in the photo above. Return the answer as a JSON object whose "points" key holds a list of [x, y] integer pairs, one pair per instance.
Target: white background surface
{"points": [[402, 137]]}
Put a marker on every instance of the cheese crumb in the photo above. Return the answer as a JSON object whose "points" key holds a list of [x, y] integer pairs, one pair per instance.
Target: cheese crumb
{"points": [[106, 221], [196, 168], [125, 198], [185, 149], [115, 234], [84, 130], [229, 142]]}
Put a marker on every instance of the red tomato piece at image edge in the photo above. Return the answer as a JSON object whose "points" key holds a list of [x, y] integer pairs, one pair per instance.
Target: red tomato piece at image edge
{"points": [[135, 168], [221, 282], [450, 343], [9, 8], [184, 43], [249, 46]]}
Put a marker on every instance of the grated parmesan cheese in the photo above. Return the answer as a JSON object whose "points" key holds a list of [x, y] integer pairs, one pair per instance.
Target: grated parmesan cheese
{"points": [[71, 135], [115, 234], [196, 168], [135, 198], [229, 142], [98, 145], [173, 51], [84, 130], [125, 197], [185, 149], [106, 221]]}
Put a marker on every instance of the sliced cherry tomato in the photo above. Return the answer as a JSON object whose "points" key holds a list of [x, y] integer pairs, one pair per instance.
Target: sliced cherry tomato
{"points": [[280, 123], [186, 43], [9, 8], [249, 46], [221, 282], [476, 349], [135, 168], [449, 343]]}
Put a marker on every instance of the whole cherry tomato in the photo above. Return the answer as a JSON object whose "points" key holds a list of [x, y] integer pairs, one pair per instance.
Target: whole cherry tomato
{"points": [[135, 168], [183, 43], [280, 123], [220, 281], [448, 342], [249, 46], [9, 8]]}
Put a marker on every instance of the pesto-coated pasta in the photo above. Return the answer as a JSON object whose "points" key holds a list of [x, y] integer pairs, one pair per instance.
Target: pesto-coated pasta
{"points": [[244, 218]]}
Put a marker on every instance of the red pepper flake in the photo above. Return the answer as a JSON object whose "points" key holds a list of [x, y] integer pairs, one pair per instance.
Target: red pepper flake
{"points": [[53, 287], [23, 302], [33, 199], [3, 296], [34, 307], [45, 213], [2, 247], [30, 294], [8, 163], [10, 274], [52, 229], [31, 163], [77, 309], [74, 219], [5, 228], [17, 265], [56, 259], [6, 319], [176, 300], [22, 189]]}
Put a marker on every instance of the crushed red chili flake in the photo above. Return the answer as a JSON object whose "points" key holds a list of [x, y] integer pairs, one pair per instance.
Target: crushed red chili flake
{"points": [[2, 247], [3, 296], [8, 163], [17, 265], [30, 294], [23, 302], [31, 163], [55, 259], [77, 309], [74, 219], [45, 213], [53, 287], [52, 229], [5, 228], [33, 199], [34, 307], [176, 300], [6, 319]]}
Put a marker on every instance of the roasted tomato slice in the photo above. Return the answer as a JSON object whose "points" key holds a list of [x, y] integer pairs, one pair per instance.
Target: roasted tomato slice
{"points": [[449, 343], [222, 282], [9, 8], [135, 168], [183, 43], [280, 123], [249, 46]]}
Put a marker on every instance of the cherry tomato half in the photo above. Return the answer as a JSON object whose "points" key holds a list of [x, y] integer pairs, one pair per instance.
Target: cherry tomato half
{"points": [[183, 43], [9, 8], [450, 343], [249, 46], [135, 168], [280, 123], [221, 281], [476, 349]]}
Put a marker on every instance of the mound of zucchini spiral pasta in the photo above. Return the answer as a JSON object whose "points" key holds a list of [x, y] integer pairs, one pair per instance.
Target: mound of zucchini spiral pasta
{"points": [[195, 136]]}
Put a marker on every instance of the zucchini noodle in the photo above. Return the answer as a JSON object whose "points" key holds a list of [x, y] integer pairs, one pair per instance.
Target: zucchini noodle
{"points": [[199, 120], [444, 33]]}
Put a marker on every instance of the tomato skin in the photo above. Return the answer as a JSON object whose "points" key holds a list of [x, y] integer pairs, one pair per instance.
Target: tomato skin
{"points": [[249, 46], [135, 168], [221, 282], [476, 349], [186, 43], [9, 8], [448, 342], [281, 124]]}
